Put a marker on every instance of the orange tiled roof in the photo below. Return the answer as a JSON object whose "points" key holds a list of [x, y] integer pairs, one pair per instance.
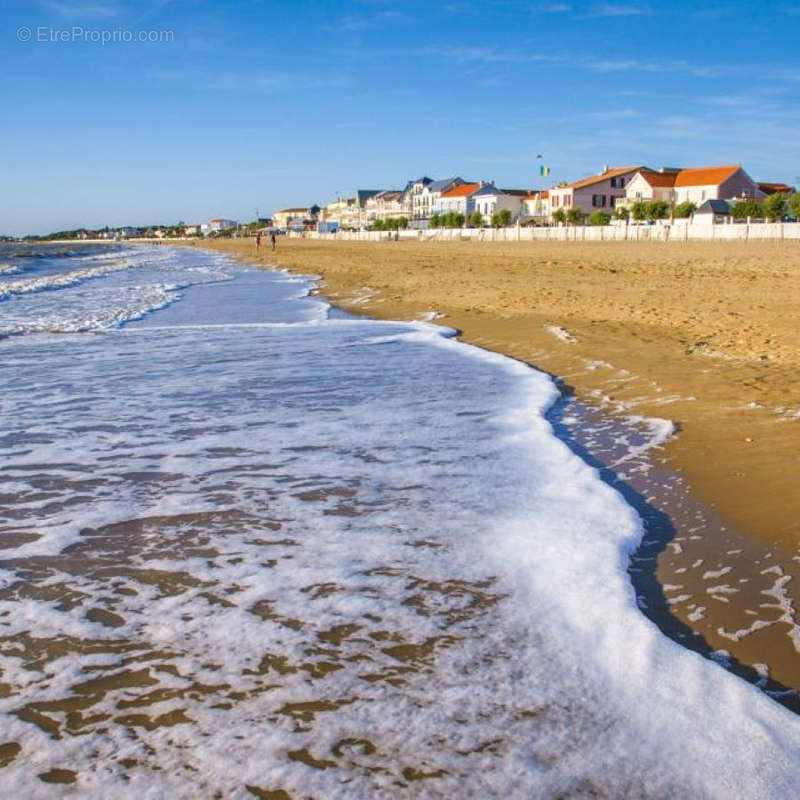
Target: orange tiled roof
{"points": [[465, 190], [773, 188], [705, 176], [611, 173], [660, 179]]}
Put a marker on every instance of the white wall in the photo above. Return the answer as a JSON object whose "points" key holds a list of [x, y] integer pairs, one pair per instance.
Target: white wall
{"points": [[678, 232]]}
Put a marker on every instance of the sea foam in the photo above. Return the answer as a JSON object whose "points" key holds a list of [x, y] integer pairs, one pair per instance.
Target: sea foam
{"points": [[336, 557]]}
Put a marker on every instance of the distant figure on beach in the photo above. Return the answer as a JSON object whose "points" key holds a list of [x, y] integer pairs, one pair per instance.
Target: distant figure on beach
{"points": [[273, 240], [258, 241]]}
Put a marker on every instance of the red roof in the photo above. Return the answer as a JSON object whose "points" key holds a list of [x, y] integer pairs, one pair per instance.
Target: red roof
{"points": [[705, 176], [609, 173], [659, 179], [465, 190], [774, 188]]}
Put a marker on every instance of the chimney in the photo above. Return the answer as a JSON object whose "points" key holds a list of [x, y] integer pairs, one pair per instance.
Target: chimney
{"points": [[605, 169]]}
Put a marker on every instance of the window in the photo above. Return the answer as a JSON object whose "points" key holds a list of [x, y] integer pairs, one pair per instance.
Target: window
{"points": [[556, 199], [614, 183], [598, 200], [568, 200], [621, 183]]}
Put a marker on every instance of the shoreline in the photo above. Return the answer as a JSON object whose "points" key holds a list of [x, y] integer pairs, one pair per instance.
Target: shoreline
{"points": [[709, 456]]}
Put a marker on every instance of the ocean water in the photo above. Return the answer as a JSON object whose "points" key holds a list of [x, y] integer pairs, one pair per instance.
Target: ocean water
{"points": [[251, 546]]}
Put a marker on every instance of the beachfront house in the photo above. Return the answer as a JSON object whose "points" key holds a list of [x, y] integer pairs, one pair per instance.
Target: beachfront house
{"points": [[424, 201], [412, 196], [217, 225], [387, 204], [458, 199], [490, 200], [535, 207], [601, 191], [698, 184], [296, 218], [676, 185], [713, 183], [349, 212]]}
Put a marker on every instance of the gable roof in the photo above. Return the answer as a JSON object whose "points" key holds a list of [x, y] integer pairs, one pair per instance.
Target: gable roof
{"points": [[443, 184], [464, 190], [706, 176], [362, 195], [715, 206], [603, 176], [659, 179]]}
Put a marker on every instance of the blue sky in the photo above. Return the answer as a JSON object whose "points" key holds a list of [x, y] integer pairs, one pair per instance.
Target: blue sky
{"points": [[257, 105]]}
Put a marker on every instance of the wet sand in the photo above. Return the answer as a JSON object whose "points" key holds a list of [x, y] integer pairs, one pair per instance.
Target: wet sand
{"points": [[704, 334]]}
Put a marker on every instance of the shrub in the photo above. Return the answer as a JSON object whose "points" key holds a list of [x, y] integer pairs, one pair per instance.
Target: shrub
{"points": [[684, 209], [475, 219], [436, 221], [656, 209], [622, 213], [639, 210], [599, 217], [559, 215], [747, 208], [794, 205], [775, 207], [575, 216]]}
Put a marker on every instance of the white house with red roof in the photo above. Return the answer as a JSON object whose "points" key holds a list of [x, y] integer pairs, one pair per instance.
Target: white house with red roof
{"points": [[695, 185], [458, 199], [597, 192]]}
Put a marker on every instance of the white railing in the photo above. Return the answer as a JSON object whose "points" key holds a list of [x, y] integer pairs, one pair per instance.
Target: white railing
{"points": [[678, 232]]}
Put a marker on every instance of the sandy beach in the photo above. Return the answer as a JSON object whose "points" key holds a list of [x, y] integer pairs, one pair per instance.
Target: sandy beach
{"points": [[703, 334]]}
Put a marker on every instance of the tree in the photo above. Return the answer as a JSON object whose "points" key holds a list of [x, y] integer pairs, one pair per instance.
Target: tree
{"points": [[599, 217], [639, 210], [794, 204], [656, 209], [436, 221], [559, 215], [775, 207], [379, 225], [684, 209], [743, 209], [575, 216], [475, 220], [622, 213]]}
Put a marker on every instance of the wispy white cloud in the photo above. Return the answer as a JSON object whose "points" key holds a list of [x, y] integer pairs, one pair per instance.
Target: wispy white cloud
{"points": [[353, 23], [617, 10], [490, 55], [552, 8], [259, 81], [83, 8]]}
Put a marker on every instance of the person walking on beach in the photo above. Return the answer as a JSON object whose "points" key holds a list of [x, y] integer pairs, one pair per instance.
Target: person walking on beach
{"points": [[258, 241], [273, 240]]}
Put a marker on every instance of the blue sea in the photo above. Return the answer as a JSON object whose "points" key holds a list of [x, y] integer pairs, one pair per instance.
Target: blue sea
{"points": [[253, 547]]}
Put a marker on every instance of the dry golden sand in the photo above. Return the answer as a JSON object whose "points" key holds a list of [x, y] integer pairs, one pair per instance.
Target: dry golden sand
{"points": [[705, 334]]}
